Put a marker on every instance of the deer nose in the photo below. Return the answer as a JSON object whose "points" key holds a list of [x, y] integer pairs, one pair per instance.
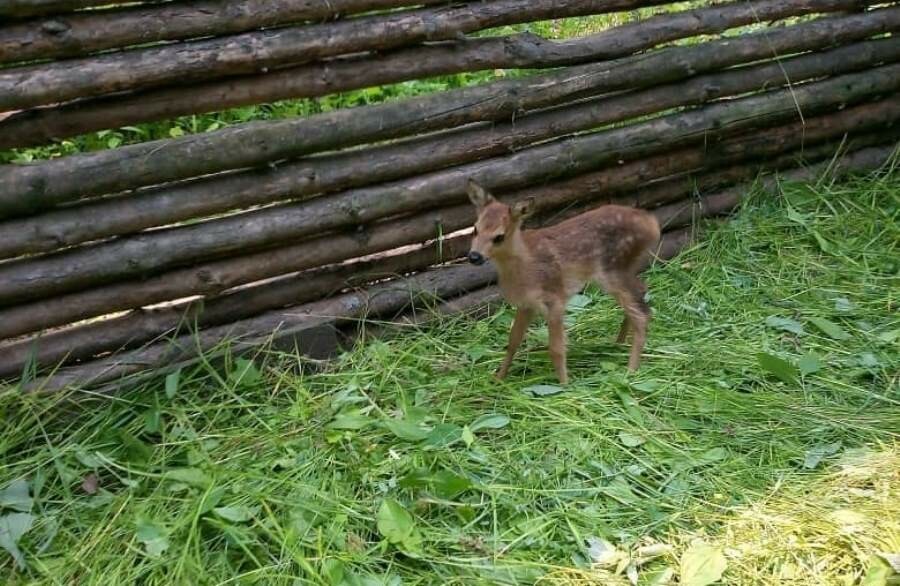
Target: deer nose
{"points": [[475, 258]]}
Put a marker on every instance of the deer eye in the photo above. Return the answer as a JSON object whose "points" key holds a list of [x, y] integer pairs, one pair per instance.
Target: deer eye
{"points": [[498, 239]]}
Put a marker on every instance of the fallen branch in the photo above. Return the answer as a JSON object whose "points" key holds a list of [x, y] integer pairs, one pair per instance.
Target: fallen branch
{"points": [[25, 8], [29, 86], [70, 35], [38, 278], [142, 326], [27, 188], [42, 125], [169, 205]]}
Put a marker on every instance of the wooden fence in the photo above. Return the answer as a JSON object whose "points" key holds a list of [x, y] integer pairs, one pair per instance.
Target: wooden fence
{"points": [[133, 260]]}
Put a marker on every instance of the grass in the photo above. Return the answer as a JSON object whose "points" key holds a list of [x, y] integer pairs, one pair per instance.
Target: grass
{"points": [[760, 439]]}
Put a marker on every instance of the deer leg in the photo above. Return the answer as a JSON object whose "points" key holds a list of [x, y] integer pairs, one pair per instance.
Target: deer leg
{"points": [[557, 327], [623, 330], [516, 335], [638, 312]]}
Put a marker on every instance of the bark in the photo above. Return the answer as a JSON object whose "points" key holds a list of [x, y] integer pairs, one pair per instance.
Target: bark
{"points": [[169, 205], [625, 178], [26, 87], [381, 300], [43, 125], [80, 33], [25, 8], [31, 187], [144, 254]]}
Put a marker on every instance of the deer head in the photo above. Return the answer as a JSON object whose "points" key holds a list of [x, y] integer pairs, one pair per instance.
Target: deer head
{"points": [[497, 223]]}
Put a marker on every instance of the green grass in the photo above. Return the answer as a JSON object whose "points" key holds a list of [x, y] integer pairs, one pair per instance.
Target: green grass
{"points": [[268, 473]]}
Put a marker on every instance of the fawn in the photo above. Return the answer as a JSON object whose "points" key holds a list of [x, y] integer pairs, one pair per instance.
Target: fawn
{"points": [[539, 270]]}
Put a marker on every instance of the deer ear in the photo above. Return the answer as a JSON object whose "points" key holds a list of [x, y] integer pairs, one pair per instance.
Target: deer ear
{"points": [[523, 209], [478, 195]]}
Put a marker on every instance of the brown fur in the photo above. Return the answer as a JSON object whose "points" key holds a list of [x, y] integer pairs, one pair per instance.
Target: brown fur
{"points": [[539, 270]]}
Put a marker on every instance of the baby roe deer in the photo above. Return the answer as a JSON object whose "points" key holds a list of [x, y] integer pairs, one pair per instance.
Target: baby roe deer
{"points": [[539, 270]]}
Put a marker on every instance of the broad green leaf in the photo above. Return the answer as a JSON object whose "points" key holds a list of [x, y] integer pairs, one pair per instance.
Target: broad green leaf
{"points": [[15, 496], [172, 381], [620, 490], [152, 420], [396, 525], [153, 536], [210, 500], [843, 304], [630, 440], [878, 572], [702, 564], [448, 485], [235, 514], [192, 476], [406, 430], [136, 451], [659, 577], [809, 364], [786, 324], [578, 302], [467, 436], [889, 337], [782, 369], [710, 456], [443, 435], [350, 420], [489, 421], [245, 373], [333, 570], [817, 453], [12, 527], [543, 390], [829, 328]]}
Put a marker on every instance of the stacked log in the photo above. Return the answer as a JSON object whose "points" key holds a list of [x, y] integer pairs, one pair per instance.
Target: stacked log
{"points": [[294, 225]]}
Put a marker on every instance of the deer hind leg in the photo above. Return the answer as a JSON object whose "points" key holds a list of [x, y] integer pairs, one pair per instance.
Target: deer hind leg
{"points": [[639, 315], [516, 335], [623, 330], [557, 328], [629, 293]]}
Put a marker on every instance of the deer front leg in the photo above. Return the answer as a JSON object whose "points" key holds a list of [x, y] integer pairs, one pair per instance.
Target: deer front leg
{"points": [[516, 335], [557, 327]]}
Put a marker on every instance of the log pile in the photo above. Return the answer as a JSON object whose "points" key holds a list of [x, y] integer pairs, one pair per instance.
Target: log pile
{"points": [[118, 263]]}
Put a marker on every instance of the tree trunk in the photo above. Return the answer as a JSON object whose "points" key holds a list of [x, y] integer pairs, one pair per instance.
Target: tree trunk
{"points": [[31, 187], [25, 8], [144, 254], [43, 125], [70, 35], [169, 205], [26, 87]]}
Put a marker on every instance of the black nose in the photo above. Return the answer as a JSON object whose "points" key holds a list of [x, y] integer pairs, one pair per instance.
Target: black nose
{"points": [[475, 258]]}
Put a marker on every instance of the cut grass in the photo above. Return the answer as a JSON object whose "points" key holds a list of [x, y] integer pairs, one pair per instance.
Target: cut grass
{"points": [[273, 475]]}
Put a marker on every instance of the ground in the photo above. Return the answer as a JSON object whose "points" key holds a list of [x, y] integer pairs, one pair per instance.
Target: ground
{"points": [[759, 441]]}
